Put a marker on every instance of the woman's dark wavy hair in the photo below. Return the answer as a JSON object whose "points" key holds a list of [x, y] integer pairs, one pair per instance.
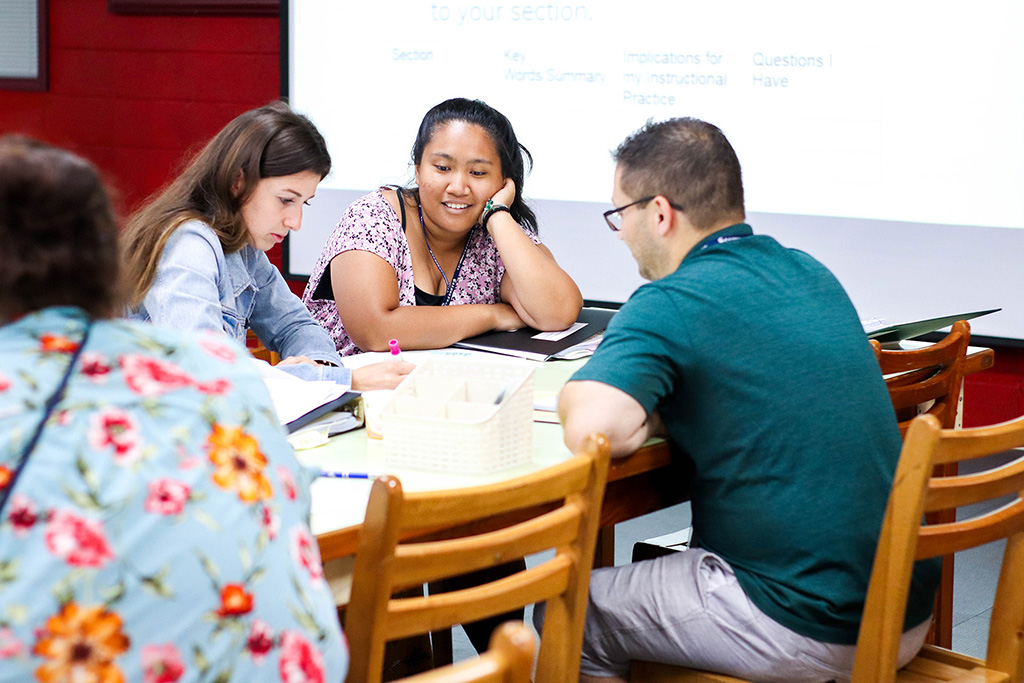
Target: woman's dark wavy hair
{"points": [[267, 142], [58, 234], [516, 160]]}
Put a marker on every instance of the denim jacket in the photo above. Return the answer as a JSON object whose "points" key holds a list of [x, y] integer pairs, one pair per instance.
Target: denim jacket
{"points": [[198, 287]]}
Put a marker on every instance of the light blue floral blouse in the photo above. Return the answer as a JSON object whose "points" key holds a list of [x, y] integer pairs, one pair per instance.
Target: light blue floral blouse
{"points": [[159, 531]]}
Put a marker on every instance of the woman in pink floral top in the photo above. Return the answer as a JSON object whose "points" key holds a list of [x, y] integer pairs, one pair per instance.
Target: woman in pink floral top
{"points": [[153, 518], [455, 257]]}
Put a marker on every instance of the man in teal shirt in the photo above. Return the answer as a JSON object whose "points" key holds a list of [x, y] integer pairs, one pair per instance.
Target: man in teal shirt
{"points": [[750, 357]]}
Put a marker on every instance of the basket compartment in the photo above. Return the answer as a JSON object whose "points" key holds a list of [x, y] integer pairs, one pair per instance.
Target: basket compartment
{"points": [[470, 412]]}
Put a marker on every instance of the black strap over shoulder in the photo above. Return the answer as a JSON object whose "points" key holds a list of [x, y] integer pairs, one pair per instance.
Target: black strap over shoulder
{"points": [[324, 288], [401, 205], [48, 408]]}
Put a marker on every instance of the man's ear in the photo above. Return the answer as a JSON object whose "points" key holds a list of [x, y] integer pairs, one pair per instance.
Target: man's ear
{"points": [[665, 217]]}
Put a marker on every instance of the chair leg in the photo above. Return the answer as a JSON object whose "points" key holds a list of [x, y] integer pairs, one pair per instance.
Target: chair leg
{"points": [[405, 657], [441, 643], [441, 640], [604, 549], [942, 627], [408, 656]]}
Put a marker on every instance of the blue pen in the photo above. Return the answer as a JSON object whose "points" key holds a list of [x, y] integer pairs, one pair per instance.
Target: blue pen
{"points": [[348, 475]]}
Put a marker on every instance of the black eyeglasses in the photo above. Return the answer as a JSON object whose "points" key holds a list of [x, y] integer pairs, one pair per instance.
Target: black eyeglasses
{"points": [[613, 217]]}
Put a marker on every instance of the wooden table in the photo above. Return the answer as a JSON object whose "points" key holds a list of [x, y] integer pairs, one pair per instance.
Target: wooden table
{"points": [[638, 484], [978, 359]]}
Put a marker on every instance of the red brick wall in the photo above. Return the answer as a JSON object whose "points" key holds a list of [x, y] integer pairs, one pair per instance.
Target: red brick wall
{"points": [[134, 94]]}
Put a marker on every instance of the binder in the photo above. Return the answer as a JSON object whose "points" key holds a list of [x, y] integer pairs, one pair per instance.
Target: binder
{"points": [[321, 410]]}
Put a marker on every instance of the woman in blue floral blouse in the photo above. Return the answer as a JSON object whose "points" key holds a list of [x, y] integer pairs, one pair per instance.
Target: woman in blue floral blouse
{"points": [[153, 519]]}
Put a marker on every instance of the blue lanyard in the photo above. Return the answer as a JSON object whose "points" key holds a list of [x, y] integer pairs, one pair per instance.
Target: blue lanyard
{"points": [[449, 287], [721, 239]]}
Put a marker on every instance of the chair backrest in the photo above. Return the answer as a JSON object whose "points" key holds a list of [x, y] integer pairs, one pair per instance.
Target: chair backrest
{"points": [[932, 373], [509, 659], [409, 539], [917, 491]]}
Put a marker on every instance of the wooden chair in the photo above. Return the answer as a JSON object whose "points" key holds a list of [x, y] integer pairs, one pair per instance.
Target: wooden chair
{"points": [[509, 659], [933, 374], [904, 540], [409, 539], [929, 380]]}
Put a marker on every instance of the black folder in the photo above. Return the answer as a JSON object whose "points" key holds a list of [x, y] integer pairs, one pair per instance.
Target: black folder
{"points": [[521, 342]]}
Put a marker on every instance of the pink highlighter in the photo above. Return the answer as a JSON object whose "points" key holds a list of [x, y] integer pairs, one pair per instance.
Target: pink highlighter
{"points": [[396, 353]]}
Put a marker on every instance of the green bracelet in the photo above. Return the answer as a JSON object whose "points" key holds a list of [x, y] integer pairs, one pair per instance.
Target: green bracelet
{"points": [[491, 208]]}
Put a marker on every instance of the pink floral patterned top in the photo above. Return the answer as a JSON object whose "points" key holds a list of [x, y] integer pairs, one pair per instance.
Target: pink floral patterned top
{"points": [[371, 224], [159, 529]]}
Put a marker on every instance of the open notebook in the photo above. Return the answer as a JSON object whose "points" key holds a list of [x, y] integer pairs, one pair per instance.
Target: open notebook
{"points": [[298, 402]]}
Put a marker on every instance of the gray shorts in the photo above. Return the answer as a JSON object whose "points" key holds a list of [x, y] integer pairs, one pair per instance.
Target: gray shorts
{"points": [[687, 608]]}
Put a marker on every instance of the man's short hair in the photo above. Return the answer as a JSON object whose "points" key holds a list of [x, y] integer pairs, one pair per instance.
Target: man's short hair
{"points": [[688, 161]]}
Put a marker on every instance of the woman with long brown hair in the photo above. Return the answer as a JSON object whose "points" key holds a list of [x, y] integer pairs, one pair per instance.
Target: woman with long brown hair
{"points": [[195, 253]]}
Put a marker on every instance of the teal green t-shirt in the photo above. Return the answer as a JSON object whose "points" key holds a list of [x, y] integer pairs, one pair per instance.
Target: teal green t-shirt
{"points": [[755, 358]]}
